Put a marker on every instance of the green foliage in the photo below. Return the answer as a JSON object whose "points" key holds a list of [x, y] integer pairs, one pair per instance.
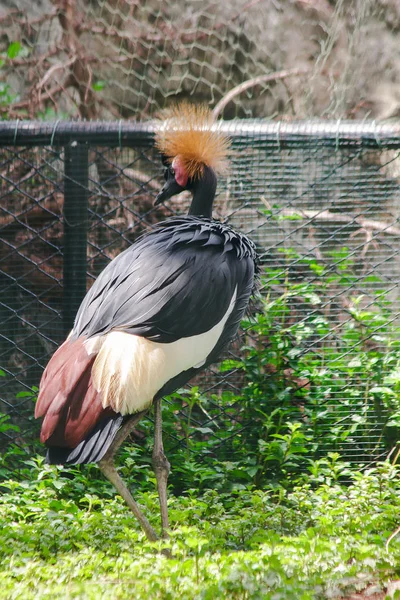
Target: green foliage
{"points": [[272, 507], [14, 455], [99, 85], [313, 383], [6, 95], [14, 50], [64, 537]]}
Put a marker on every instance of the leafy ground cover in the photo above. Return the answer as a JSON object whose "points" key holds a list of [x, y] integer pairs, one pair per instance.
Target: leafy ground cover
{"points": [[66, 535], [265, 503]]}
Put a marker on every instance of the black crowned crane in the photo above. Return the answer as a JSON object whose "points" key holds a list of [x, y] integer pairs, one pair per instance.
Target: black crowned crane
{"points": [[159, 313]]}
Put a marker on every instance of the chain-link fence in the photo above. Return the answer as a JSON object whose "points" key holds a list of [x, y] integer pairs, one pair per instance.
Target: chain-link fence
{"points": [[320, 199]]}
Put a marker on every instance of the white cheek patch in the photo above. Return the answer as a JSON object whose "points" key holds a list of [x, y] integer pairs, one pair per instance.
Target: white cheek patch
{"points": [[129, 370]]}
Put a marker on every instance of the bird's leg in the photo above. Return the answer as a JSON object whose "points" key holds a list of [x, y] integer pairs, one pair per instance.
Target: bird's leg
{"points": [[107, 467], [112, 475], [161, 466]]}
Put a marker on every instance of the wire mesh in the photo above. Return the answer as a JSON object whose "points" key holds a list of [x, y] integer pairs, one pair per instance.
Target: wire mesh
{"points": [[127, 58], [321, 200]]}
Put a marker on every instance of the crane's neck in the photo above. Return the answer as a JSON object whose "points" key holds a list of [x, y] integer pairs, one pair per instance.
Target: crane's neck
{"points": [[203, 194]]}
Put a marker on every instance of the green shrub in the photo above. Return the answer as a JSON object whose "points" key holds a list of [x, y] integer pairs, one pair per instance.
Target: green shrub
{"points": [[314, 381]]}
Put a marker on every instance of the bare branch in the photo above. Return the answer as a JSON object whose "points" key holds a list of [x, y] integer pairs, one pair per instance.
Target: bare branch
{"points": [[139, 177], [321, 6], [24, 104], [242, 87], [391, 537], [81, 74], [50, 72], [20, 18], [168, 32], [10, 14], [327, 215], [39, 20]]}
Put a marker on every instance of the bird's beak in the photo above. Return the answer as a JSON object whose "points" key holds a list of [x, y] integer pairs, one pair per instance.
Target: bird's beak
{"points": [[171, 188]]}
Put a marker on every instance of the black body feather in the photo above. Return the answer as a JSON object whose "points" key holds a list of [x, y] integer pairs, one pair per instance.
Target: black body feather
{"points": [[176, 281]]}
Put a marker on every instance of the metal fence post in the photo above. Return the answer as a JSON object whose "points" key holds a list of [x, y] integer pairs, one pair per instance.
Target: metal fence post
{"points": [[76, 193]]}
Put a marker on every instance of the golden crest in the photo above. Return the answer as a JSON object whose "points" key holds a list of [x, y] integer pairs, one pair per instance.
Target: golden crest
{"points": [[190, 132]]}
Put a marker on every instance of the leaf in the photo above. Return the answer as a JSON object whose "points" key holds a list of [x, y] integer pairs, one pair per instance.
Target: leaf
{"points": [[228, 365], [204, 430], [253, 470], [393, 377], [293, 217], [355, 362], [294, 352], [24, 394], [99, 85], [14, 49], [382, 390], [314, 299]]}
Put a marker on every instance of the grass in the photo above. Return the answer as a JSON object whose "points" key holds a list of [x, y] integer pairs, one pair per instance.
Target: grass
{"points": [[70, 537]]}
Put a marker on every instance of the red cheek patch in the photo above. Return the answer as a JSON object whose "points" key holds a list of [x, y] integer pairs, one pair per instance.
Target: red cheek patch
{"points": [[180, 173]]}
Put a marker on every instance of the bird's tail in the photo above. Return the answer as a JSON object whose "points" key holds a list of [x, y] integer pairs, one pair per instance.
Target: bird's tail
{"points": [[92, 448], [76, 427]]}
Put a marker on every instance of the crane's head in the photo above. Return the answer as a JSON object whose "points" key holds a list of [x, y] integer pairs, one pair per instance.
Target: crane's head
{"points": [[192, 146], [176, 180]]}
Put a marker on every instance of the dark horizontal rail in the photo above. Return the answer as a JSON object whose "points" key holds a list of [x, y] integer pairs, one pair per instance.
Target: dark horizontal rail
{"points": [[127, 133]]}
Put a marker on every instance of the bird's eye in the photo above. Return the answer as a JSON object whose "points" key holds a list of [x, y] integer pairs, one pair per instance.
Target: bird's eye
{"points": [[172, 170]]}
